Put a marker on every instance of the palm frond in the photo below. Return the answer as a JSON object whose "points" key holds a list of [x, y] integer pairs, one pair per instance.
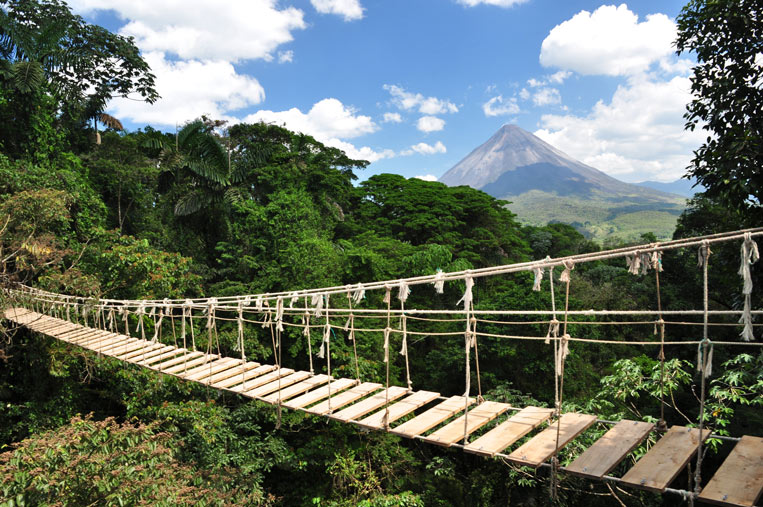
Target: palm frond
{"points": [[28, 77], [110, 121], [190, 203]]}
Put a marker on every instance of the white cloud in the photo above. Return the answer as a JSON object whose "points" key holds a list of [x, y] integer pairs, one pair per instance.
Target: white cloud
{"points": [[426, 177], [350, 9], [498, 106], [426, 105], [190, 89], [392, 118], [327, 119], [425, 149], [200, 29], [559, 77], [330, 122], [430, 124], [547, 97], [498, 3], [524, 94], [533, 83], [286, 56], [638, 135], [610, 41]]}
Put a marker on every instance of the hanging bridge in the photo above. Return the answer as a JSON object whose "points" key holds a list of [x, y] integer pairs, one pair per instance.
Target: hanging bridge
{"points": [[466, 421]]}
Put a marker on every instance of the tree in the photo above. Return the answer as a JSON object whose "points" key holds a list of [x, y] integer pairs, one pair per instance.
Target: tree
{"points": [[45, 50], [727, 38]]}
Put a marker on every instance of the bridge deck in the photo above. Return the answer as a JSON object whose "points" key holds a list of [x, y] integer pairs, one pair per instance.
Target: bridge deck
{"points": [[739, 481]]}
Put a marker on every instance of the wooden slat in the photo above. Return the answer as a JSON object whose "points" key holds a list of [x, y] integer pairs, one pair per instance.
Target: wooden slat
{"points": [[509, 431], [543, 445], [318, 394], [474, 419], [61, 328], [72, 333], [185, 366], [609, 450], [97, 338], [203, 371], [164, 356], [344, 398], [658, 467], [84, 335], [244, 378], [148, 352], [397, 410], [238, 370], [368, 405], [49, 326], [177, 359], [296, 389], [124, 348], [432, 417], [739, 480], [261, 380], [282, 383]]}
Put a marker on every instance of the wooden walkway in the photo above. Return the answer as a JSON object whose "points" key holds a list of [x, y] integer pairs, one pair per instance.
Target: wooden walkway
{"points": [[437, 420]]}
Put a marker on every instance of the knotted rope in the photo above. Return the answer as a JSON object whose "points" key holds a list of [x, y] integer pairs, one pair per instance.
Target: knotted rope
{"points": [[350, 328], [306, 334], [387, 299], [704, 359], [750, 255]]}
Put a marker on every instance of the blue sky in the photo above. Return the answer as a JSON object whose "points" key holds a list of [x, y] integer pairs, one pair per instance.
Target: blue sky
{"points": [[415, 85]]}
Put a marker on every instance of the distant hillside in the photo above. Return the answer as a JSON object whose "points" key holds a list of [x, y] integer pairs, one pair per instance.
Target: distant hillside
{"points": [[681, 187], [546, 185]]}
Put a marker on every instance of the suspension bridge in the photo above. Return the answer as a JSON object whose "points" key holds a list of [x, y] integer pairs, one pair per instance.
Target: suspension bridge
{"points": [[529, 436]]}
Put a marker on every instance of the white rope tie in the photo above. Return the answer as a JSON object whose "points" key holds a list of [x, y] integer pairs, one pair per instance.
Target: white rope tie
{"points": [[317, 302], [633, 261], [439, 281], [468, 296], [568, 266], [359, 294], [538, 272], [293, 299], [139, 314], [306, 334], [562, 353], [279, 313], [386, 344], [403, 291], [750, 255]]}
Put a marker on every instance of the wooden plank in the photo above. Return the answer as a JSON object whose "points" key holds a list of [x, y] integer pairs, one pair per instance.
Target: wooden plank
{"points": [[296, 389], [238, 370], [316, 395], [509, 431], [184, 366], [739, 480], [153, 350], [49, 326], [164, 356], [261, 380], [187, 355], [344, 398], [72, 334], [658, 467], [56, 332], [543, 445], [244, 378], [85, 334], [203, 371], [609, 450], [282, 383], [474, 419], [432, 417], [368, 405], [96, 337], [123, 348], [397, 410]]}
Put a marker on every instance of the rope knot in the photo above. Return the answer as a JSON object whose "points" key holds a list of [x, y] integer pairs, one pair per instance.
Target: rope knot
{"points": [[750, 255], [403, 291], [359, 294], [538, 272], [703, 254], [439, 281], [468, 296], [705, 357], [568, 266]]}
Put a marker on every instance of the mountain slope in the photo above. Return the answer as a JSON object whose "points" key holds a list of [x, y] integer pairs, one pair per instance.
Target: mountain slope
{"points": [[546, 185]]}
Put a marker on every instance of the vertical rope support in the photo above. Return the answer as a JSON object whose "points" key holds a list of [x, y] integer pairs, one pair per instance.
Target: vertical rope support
{"points": [[657, 266], [306, 333], [468, 343], [387, 299], [403, 294], [327, 341], [750, 255], [704, 363], [350, 328], [240, 322]]}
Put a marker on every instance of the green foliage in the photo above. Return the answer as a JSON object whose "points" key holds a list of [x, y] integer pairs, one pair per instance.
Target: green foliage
{"points": [[101, 462], [725, 36]]}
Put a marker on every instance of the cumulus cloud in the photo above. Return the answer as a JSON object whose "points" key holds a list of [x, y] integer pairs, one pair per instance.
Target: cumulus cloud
{"points": [[498, 106], [349, 9], [425, 149], [426, 177], [430, 124], [286, 56], [547, 97], [610, 41], [637, 135], [426, 105], [328, 118], [199, 29], [330, 122], [190, 89], [498, 3], [392, 118]]}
